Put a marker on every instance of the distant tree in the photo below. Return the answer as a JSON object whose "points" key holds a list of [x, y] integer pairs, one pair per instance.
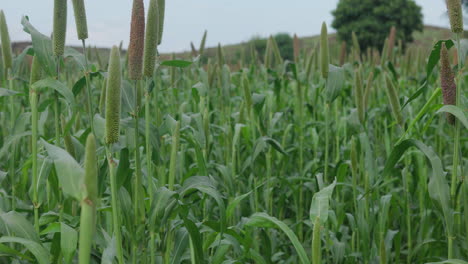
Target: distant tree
{"points": [[284, 41], [285, 45], [373, 19]]}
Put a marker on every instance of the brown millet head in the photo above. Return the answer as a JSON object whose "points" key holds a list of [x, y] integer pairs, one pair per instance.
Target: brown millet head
{"points": [[447, 81], [137, 41]]}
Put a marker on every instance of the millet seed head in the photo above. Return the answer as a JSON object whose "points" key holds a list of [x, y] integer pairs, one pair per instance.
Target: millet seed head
{"points": [[447, 81], [114, 82], [137, 41], [151, 38], [60, 26], [324, 54], [161, 11], [5, 42], [456, 15], [80, 19]]}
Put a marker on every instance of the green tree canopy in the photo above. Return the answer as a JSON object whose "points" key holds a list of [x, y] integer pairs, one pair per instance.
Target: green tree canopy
{"points": [[372, 20]]}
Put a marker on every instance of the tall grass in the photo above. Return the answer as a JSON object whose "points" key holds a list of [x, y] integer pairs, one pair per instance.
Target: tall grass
{"points": [[236, 161]]}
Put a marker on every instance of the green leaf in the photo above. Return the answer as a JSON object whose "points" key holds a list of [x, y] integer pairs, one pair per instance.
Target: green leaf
{"points": [[17, 225], [457, 112], [431, 64], [180, 245], [69, 172], [164, 201], [4, 250], [42, 47], [124, 170], [196, 240], [176, 63], [11, 140], [450, 261], [78, 57], [6, 92], [438, 187], [335, 82], [19, 60], [51, 229], [40, 253], [81, 83], [385, 202], [68, 242], [258, 102], [435, 55], [275, 144], [321, 203], [61, 88], [109, 253], [233, 204], [264, 220], [205, 185]]}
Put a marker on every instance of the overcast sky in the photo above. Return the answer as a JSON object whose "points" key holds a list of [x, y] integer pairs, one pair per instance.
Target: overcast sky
{"points": [[227, 21]]}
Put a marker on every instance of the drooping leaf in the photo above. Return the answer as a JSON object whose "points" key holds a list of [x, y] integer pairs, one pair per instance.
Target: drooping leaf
{"points": [[69, 172], [40, 253], [17, 225], [321, 203], [457, 112], [42, 47], [58, 86], [335, 82], [264, 220], [6, 92]]}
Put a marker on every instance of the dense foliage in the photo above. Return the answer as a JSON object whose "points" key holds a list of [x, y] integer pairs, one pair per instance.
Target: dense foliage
{"points": [[371, 20], [302, 162]]}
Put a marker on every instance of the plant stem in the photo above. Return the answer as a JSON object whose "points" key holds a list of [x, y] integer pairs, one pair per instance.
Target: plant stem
{"points": [[456, 145], [88, 88], [149, 169], [34, 115], [115, 204], [12, 169], [137, 199]]}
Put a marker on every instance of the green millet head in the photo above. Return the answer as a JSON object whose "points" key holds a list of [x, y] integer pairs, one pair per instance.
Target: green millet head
{"points": [[151, 38], [392, 94], [343, 53], [60, 26], [324, 55], [356, 47], [456, 15], [162, 10], [220, 55], [91, 170], [202, 43], [114, 82], [80, 19], [447, 82], [137, 41], [5, 42], [359, 95]]}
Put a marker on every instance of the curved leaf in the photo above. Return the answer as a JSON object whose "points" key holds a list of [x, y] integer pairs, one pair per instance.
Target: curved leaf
{"points": [[457, 112], [41, 254], [321, 203], [17, 225], [264, 220], [69, 172]]}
